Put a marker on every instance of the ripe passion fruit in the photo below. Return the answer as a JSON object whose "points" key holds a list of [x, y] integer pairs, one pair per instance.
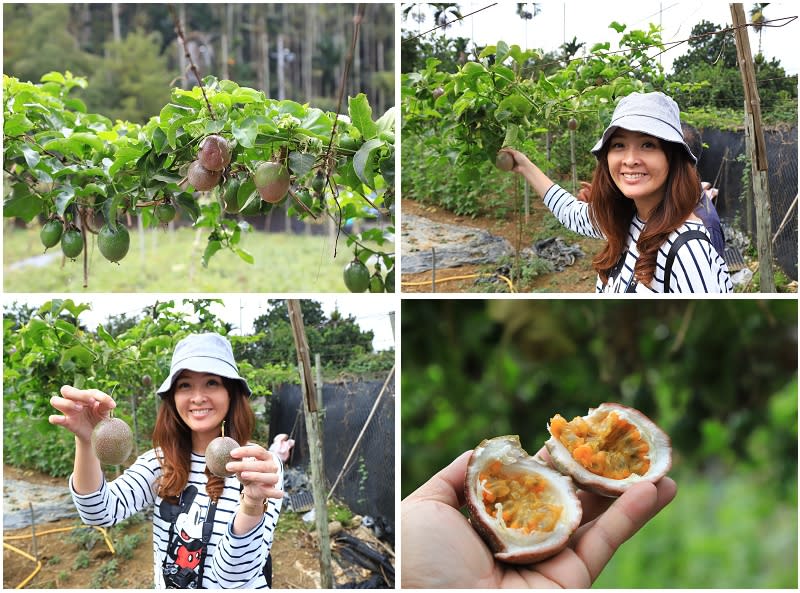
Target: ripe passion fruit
{"points": [[504, 161], [610, 449], [201, 178], [524, 510], [214, 153]]}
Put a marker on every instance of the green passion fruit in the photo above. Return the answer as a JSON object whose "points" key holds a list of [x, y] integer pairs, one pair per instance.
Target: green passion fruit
{"points": [[610, 449], [114, 242], [165, 213], [524, 510], [272, 181], [388, 282], [356, 276], [376, 283], [72, 243], [51, 232]]}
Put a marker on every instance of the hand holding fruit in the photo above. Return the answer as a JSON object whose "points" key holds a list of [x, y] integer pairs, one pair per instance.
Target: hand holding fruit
{"points": [[81, 409], [454, 556], [257, 470], [509, 159]]}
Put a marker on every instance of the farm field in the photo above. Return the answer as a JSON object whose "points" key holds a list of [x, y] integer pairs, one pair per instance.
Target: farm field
{"points": [[171, 262]]}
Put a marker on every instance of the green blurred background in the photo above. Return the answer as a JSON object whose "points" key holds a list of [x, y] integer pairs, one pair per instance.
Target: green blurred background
{"points": [[720, 376]]}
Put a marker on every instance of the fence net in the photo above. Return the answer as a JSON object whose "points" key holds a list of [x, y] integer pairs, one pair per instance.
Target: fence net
{"points": [[368, 483], [722, 162]]}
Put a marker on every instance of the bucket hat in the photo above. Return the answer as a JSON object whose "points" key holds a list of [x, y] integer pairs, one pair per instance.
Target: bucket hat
{"points": [[654, 113], [203, 353]]}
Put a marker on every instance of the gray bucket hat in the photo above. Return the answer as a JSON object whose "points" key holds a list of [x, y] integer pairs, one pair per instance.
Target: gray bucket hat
{"points": [[204, 353], [655, 114]]}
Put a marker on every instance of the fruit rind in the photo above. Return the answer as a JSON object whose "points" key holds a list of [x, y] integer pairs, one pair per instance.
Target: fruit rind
{"points": [[508, 544], [220, 446], [657, 440], [119, 441]]}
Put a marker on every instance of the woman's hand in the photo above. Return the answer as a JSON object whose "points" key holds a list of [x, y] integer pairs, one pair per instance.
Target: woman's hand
{"points": [[257, 470], [532, 174], [521, 162], [442, 550], [81, 410]]}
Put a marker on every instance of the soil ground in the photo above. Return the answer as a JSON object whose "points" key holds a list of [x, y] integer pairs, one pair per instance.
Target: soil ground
{"points": [[577, 278], [68, 564]]}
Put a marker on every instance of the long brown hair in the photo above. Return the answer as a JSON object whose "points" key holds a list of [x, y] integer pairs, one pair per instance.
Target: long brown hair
{"points": [[612, 213], [174, 438]]}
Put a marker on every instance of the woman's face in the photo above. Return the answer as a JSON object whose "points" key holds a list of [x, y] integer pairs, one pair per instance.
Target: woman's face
{"points": [[638, 165], [202, 402]]}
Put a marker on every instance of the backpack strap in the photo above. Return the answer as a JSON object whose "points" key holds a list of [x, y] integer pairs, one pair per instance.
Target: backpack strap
{"points": [[673, 252]]}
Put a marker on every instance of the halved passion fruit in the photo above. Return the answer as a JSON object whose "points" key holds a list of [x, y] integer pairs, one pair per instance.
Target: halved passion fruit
{"points": [[609, 449], [524, 510]]}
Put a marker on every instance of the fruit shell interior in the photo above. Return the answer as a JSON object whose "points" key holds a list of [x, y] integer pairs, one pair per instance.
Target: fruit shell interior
{"points": [[511, 545], [657, 440]]}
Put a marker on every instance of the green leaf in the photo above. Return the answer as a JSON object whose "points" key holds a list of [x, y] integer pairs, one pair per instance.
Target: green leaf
{"points": [[23, 204], [386, 122], [361, 116], [105, 336], [301, 163], [77, 356], [16, 125], [211, 249], [245, 131], [188, 203], [64, 199], [244, 255], [31, 156], [247, 95], [363, 164], [124, 155]]}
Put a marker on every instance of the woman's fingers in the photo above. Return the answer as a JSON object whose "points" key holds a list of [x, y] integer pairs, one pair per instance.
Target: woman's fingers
{"points": [[88, 396], [66, 406]]}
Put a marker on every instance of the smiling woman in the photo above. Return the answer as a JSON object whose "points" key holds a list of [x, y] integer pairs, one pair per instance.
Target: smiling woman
{"points": [[646, 201], [202, 522]]}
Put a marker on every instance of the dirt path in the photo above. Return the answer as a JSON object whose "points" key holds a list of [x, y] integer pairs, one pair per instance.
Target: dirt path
{"points": [[579, 277], [74, 556]]}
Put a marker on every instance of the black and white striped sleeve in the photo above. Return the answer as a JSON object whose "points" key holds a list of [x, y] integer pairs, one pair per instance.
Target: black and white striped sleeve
{"points": [[116, 501], [570, 211], [698, 268]]}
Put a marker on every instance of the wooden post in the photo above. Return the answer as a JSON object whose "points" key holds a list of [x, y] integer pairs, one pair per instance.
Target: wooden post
{"points": [[756, 147], [310, 410]]}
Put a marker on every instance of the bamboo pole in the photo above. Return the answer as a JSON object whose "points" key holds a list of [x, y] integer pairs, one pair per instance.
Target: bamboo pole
{"points": [[311, 412], [756, 146]]}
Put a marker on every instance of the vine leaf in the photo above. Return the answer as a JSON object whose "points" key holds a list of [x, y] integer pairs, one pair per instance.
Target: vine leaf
{"points": [[361, 116], [363, 164]]}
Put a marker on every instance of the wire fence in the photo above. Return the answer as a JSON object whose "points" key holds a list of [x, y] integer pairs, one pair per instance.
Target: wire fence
{"points": [[722, 162], [368, 483]]}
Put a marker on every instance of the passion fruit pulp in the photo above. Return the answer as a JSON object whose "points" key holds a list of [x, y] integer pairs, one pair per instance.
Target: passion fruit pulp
{"points": [[609, 449], [524, 510]]}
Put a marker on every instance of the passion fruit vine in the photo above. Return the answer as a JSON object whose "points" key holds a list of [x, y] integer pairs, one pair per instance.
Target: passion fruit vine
{"points": [[523, 509]]}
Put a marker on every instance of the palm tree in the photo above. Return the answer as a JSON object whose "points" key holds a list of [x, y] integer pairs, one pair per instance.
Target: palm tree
{"points": [[442, 11], [758, 19]]}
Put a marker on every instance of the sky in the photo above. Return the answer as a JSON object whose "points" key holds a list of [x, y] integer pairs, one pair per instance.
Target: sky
{"points": [[371, 311], [588, 21]]}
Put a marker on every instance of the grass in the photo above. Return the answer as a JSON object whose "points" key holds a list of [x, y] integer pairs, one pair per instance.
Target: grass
{"points": [[717, 533], [161, 261]]}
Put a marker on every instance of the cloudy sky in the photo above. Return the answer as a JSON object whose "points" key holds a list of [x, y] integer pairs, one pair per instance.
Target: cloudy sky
{"points": [[588, 21], [371, 311]]}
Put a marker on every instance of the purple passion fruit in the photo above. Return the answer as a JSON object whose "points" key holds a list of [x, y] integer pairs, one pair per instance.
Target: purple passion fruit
{"points": [[214, 153], [218, 455], [524, 510], [201, 178], [504, 161], [609, 449], [112, 441]]}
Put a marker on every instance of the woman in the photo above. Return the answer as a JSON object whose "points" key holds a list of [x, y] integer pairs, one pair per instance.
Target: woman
{"points": [[641, 201], [208, 532]]}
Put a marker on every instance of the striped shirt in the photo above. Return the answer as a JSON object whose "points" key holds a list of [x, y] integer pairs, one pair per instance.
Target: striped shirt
{"points": [[231, 561], [697, 268]]}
